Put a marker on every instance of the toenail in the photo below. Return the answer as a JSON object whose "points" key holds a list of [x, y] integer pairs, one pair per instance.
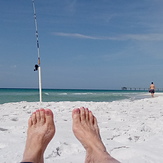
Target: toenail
{"points": [[47, 112]]}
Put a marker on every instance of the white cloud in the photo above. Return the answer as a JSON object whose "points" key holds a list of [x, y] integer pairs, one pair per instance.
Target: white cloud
{"points": [[76, 35], [146, 37], [138, 37]]}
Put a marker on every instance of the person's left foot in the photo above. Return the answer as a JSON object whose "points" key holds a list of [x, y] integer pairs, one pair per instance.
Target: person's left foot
{"points": [[86, 130], [41, 130]]}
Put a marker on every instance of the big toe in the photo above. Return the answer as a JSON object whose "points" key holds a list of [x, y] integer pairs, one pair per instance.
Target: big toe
{"points": [[49, 116], [76, 115]]}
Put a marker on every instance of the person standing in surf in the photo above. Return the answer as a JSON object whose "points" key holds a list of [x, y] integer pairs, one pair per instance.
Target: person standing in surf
{"points": [[152, 89]]}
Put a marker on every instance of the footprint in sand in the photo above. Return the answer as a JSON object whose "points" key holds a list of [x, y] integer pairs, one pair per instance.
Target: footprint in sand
{"points": [[3, 129]]}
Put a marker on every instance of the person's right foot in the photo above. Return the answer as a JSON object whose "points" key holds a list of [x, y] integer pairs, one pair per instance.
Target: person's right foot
{"points": [[41, 130], [86, 130]]}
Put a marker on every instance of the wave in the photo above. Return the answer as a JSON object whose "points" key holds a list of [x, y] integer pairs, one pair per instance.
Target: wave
{"points": [[83, 93]]}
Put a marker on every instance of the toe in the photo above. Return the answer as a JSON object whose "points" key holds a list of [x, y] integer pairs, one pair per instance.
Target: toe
{"points": [[91, 118], [95, 121], [87, 114], [76, 115], [38, 117], [33, 118], [48, 115], [42, 115], [82, 114], [30, 122]]}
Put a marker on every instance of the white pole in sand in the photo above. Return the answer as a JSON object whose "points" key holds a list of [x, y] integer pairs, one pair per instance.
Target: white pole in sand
{"points": [[38, 51], [40, 83]]}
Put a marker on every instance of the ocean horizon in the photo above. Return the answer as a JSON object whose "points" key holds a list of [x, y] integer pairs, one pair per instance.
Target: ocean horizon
{"points": [[10, 95]]}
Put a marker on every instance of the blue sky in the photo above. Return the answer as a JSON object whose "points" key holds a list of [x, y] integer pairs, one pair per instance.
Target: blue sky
{"points": [[85, 44]]}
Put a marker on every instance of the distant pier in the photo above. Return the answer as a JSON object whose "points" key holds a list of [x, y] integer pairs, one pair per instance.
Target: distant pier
{"points": [[140, 89]]}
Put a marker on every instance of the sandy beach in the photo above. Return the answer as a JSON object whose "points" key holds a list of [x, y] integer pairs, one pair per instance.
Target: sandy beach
{"points": [[131, 130]]}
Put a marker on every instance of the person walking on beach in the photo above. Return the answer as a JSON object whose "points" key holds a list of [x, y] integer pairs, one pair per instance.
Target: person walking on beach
{"points": [[152, 89], [41, 129]]}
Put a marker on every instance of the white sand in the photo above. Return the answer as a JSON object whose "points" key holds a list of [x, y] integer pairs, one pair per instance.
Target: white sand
{"points": [[131, 130]]}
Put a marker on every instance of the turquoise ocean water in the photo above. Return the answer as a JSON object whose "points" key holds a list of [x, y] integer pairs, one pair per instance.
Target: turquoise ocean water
{"points": [[56, 95]]}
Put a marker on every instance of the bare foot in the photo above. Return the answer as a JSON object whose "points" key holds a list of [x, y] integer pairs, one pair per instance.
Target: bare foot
{"points": [[41, 130], [86, 130]]}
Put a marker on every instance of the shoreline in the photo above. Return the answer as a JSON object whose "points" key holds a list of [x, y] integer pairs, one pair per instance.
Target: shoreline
{"points": [[131, 130], [18, 95], [133, 98]]}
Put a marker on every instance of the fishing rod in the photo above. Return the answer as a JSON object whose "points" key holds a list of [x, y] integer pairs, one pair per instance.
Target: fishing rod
{"points": [[37, 66]]}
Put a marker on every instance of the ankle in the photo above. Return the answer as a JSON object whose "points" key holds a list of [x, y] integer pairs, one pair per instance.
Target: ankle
{"points": [[97, 155], [31, 157], [100, 157]]}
